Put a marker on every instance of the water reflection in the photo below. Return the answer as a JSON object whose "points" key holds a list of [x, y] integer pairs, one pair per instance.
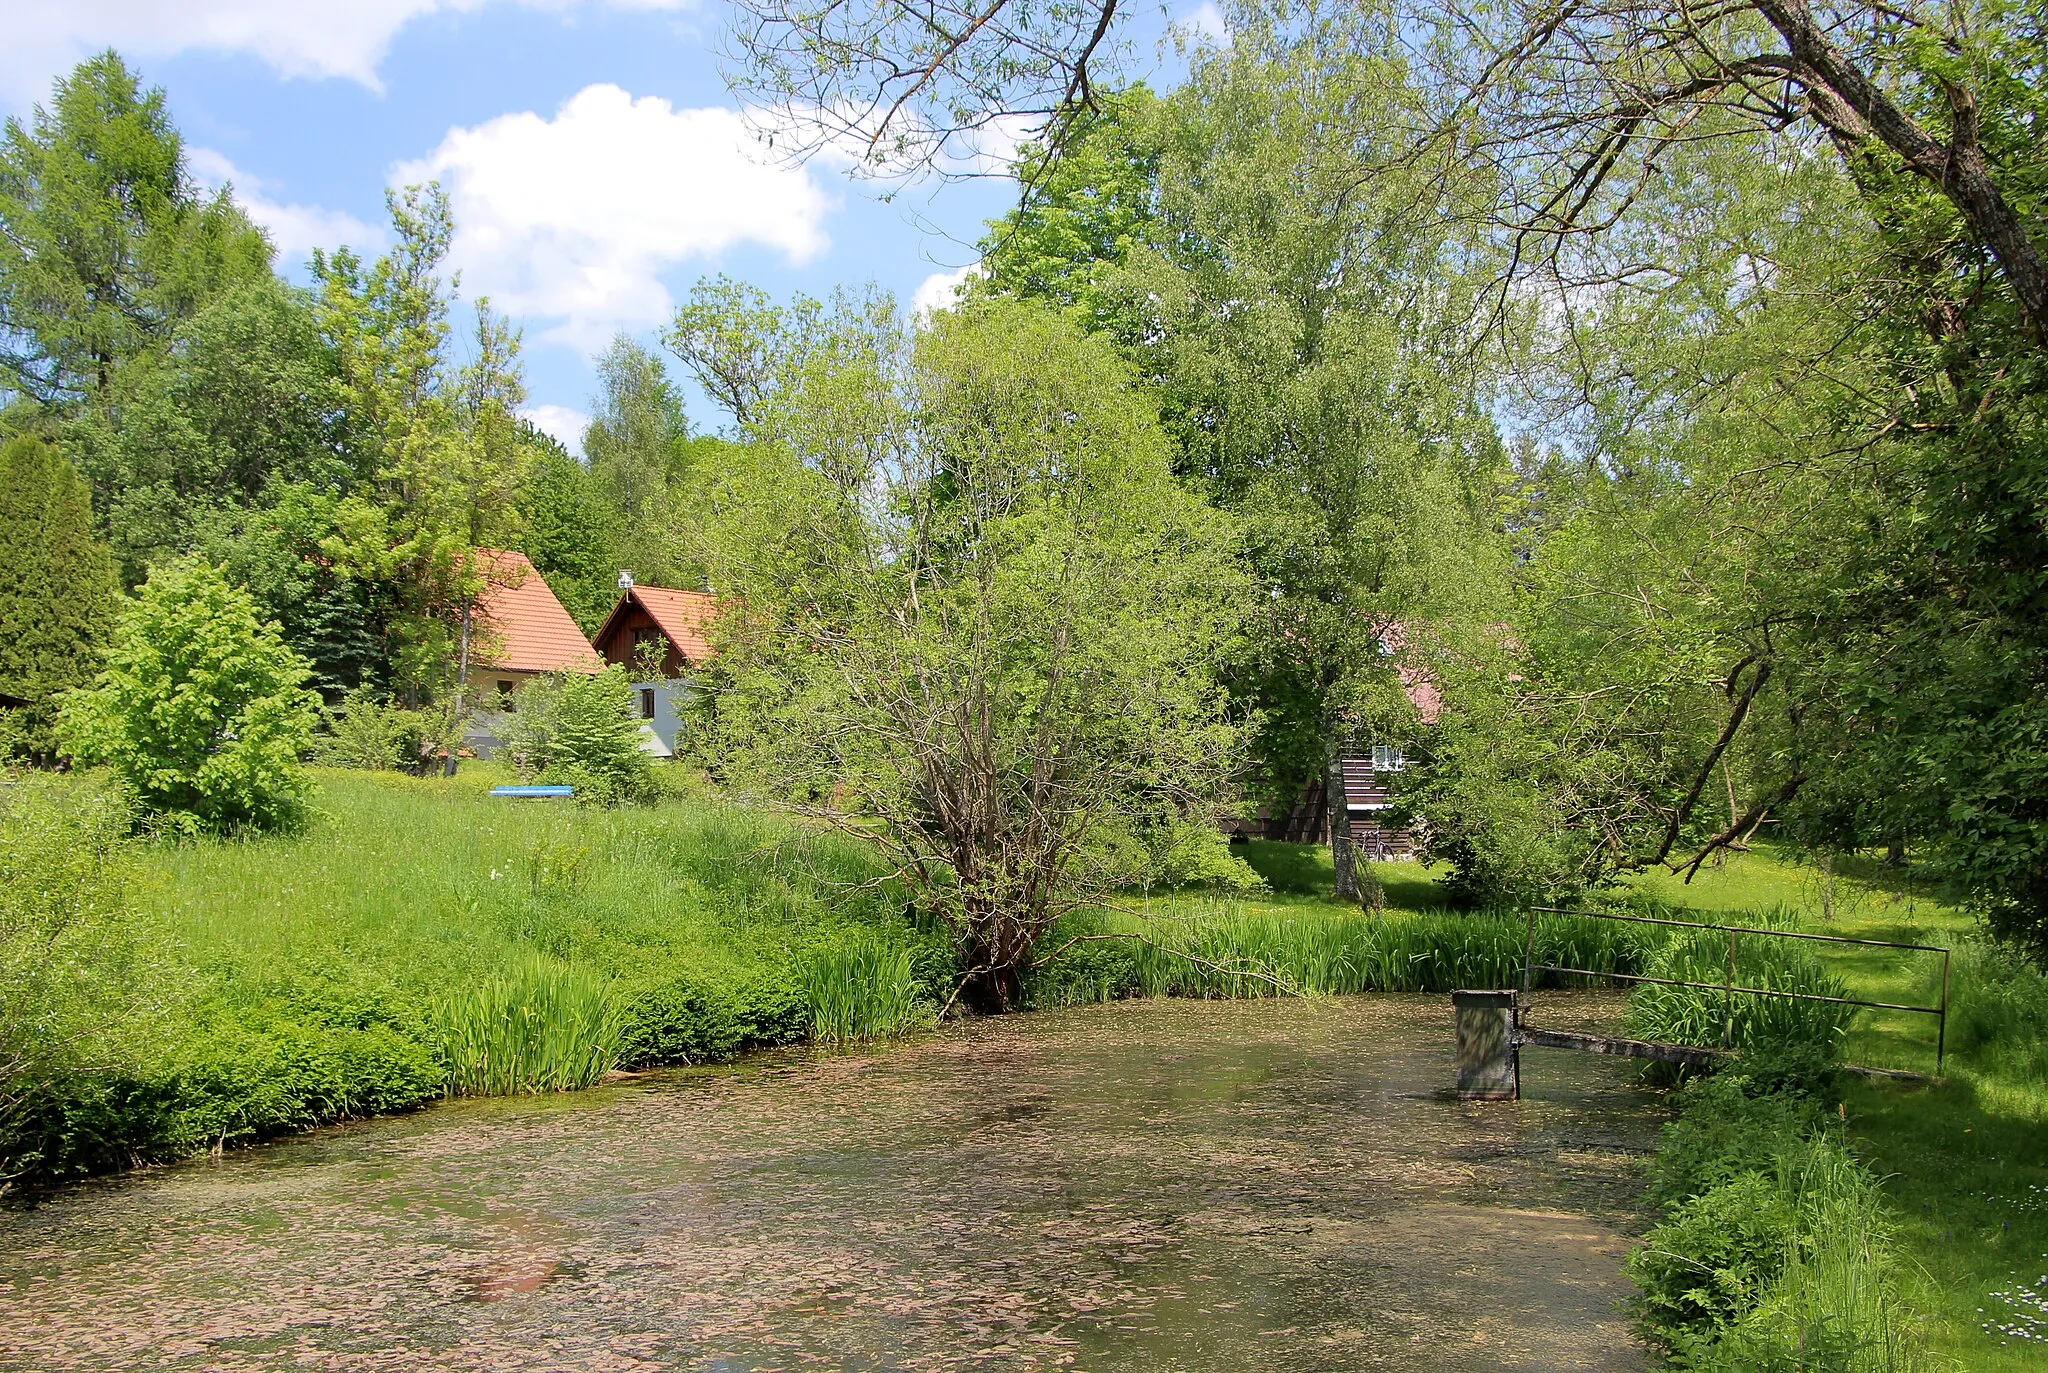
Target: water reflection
{"points": [[1159, 1185]]}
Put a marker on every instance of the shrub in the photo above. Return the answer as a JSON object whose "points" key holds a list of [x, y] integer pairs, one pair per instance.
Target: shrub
{"points": [[694, 1019], [1774, 1249], [580, 729], [202, 709], [371, 734]]}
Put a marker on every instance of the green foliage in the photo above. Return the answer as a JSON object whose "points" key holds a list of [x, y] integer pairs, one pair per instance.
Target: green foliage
{"points": [[57, 593], [1238, 952], [1774, 1249], [238, 402], [66, 954], [581, 729], [542, 1027], [861, 988], [568, 534], [978, 524], [201, 708], [105, 246], [1998, 1012], [692, 1018], [1694, 1015], [366, 732], [1249, 242], [306, 977]]}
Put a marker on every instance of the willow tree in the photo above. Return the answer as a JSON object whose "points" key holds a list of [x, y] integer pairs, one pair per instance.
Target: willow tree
{"points": [[974, 615]]}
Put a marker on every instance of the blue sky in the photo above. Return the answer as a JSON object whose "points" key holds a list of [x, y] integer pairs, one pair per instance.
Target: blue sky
{"points": [[597, 162]]}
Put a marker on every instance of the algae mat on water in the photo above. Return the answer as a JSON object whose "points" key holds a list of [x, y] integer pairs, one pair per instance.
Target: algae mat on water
{"points": [[1148, 1185]]}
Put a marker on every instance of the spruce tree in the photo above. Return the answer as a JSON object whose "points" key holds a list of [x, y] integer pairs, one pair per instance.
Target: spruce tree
{"points": [[57, 592]]}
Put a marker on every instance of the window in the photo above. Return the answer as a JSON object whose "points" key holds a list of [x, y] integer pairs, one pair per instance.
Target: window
{"points": [[505, 700], [647, 703], [1386, 758]]}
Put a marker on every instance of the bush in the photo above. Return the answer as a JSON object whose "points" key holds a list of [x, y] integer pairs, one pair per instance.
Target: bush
{"points": [[580, 730], [368, 733], [1774, 1249], [202, 709], [694, 1019]]}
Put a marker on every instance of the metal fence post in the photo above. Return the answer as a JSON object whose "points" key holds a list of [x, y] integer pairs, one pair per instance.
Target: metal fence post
{"points": [[1941, 1033], [1728, 996]]}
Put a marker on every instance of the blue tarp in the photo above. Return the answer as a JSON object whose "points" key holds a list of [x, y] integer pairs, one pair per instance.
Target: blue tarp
{"points": [[533, 791]]}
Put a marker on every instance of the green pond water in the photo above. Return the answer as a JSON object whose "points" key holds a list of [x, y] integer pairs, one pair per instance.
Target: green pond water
{"points": [[1152, 1185]]}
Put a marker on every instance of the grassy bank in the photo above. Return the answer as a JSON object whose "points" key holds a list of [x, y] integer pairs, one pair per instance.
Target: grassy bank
{"points": [[422, 938]]}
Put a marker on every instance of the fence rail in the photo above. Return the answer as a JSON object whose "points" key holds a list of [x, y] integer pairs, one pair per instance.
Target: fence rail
{"points": [[1727, 986]]}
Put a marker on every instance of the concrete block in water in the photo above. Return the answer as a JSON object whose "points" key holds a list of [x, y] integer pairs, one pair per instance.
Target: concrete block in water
{"points": [[1489, 1066]]}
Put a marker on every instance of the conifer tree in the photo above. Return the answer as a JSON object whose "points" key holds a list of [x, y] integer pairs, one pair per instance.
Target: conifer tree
{"points": [[57, 591]]}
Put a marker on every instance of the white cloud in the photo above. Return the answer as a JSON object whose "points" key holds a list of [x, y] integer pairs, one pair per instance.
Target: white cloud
{"points": [[570, 221], [296, 230], [938, 291], [564, 425], [312, 38], [1207, 21]]}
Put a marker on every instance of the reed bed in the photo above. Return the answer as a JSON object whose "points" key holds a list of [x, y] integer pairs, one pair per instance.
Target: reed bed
{"points": [[543, 1027], [1695, 1015], [1232, 951], [861, 988]]}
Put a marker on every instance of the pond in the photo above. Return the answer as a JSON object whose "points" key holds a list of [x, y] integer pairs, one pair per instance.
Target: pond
{"points": [[1149, 1185]]}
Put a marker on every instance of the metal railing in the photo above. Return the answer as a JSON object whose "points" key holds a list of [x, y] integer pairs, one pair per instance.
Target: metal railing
{"points": [[1727, 986]]}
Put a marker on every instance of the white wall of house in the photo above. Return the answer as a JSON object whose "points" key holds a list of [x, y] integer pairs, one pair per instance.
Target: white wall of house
{"points": [[661, 706]]}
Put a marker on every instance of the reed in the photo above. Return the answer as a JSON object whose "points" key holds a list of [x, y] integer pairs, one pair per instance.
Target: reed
{"points": [[1695, 1015], [1232, 951], [542, 1027], [861, 988]]}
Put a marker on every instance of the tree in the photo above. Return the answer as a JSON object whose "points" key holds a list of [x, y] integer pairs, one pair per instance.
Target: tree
{"points": [[106, 245], [569, 533], [201, 709], [974, 615], [1308, 327], [57, 591], [241, 396]]}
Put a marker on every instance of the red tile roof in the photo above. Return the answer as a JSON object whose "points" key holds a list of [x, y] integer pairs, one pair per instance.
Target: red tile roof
{"points": [[681, 615], [524, 627]]}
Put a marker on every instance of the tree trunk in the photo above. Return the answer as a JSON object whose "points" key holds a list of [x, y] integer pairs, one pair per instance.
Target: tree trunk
{"points": [[1342, 857], [461, 682]]}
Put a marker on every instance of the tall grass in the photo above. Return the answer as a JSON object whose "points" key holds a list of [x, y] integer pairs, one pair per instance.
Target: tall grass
{"points": [[1785, 1265], [861, 988], [1695, 1015], [543, 1027], [1234, 951]]}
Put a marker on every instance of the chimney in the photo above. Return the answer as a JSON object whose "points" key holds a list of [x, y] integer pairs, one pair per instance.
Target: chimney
{"points": [[625, 579]]}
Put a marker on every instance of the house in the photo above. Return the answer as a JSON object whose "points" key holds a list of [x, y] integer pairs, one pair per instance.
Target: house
{"points": [[648, 619], [518, 631], [1368, 776]]}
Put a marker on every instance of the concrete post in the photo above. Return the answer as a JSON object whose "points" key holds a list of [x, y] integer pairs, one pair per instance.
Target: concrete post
{"points": [[1489, 1064]]}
